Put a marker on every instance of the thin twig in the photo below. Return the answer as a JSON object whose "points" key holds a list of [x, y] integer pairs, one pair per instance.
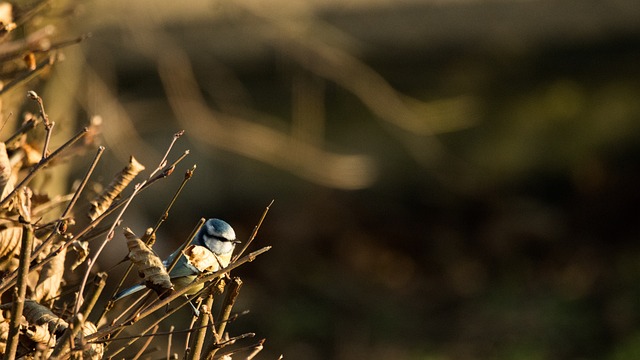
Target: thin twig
{"points": [[9, 280], [254, 232], [110, 330], [202, 323], [48, 125], [169, 341], [160, 333], [41, 164], [251, 348], [194, 232], [227, 305], [69, 207], [146, 344], [93, 295], [20, 291], [187, 176], [28, 74], [85, 179], [163, 162], [198, 282], [130, 267], [102, 246], [27, 126], [19, 52], [64, 343]]}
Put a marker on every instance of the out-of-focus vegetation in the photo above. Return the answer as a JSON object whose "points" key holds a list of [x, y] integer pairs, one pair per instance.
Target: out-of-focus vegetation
{"points": [[452, 180]]}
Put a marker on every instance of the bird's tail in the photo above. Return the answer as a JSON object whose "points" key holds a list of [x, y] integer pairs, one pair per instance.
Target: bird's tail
{"points": [[129, 291]]}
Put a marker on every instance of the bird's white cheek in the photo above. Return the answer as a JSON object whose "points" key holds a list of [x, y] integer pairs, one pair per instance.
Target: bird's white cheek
{"points": [[222, 247]]}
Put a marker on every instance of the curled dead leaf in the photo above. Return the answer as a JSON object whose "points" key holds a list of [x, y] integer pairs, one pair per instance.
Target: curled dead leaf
{"points": [[4, 333], [149, 265], [82, 248], [37, 314], [50, 280], [201, 258], [39, 334], [23, 203], [6, 181], [102, 202], [10, 237], [94, 350]]}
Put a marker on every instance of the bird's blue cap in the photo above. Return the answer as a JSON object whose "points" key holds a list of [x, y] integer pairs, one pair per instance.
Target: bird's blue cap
{"points": [[219, 229]]}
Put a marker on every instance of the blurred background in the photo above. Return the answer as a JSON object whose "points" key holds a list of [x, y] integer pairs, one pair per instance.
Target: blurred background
{"points": [[452, 179]]}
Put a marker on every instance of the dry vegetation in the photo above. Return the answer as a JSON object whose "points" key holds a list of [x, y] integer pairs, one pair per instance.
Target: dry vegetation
{"points": [[50, 292]]}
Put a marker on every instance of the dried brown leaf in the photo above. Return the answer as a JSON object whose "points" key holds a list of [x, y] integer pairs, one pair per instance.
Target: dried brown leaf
{"points": [[23, 203], [4, 334], [92, 351], [39, 334], [30, 61], [32, 156], [6, 17], [201, 258], [102, 202], [37, 314], [82, 248], [149, 265], [50, 280], [10, 236], [6, 182]]}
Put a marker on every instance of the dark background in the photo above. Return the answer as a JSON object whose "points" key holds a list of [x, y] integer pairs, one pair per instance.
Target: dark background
{"points": [[452, 179]]}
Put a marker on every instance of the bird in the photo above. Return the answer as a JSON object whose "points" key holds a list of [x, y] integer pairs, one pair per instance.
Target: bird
{"points": [[217, 236]]}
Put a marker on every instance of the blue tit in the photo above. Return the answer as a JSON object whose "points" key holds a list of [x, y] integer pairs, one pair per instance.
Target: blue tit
{"points": [[215, 235]]}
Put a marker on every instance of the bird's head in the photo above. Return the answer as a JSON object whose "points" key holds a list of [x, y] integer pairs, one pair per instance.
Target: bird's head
{"points": [[217, 236]]}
